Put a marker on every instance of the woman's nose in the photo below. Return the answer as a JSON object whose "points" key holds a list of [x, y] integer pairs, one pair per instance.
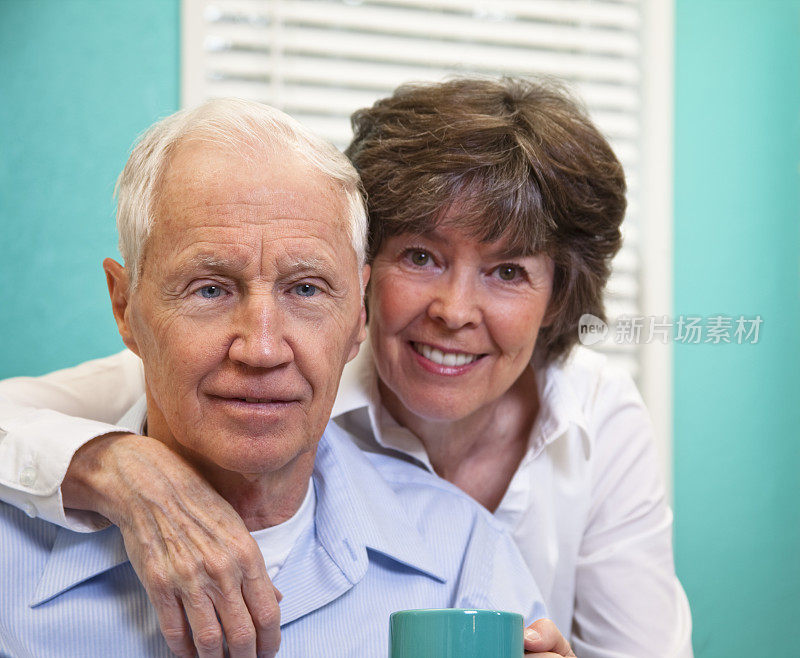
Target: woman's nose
{"points": [[455, 302]]}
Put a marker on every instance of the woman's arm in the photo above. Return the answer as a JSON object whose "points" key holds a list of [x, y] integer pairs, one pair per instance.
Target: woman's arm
{"points": [[191, 550], [628, 598], [100, 389], [44, 420]]}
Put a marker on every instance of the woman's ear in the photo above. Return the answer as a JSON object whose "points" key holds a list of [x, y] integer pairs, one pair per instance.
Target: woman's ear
{"points": [[119, 292]]}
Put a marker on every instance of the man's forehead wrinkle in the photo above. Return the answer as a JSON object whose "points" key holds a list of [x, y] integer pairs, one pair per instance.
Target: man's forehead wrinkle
{"points": [[235, 226], [265, 180], [275, 207]]}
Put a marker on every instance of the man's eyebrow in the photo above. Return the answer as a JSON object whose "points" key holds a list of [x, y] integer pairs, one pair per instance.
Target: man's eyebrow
{"points": [[210, 262], [306, 263]]}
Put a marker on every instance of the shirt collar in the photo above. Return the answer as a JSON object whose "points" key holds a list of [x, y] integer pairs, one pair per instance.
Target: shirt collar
{"points": [[559, 407], [357, 514], [357, 510], [77, 557]]}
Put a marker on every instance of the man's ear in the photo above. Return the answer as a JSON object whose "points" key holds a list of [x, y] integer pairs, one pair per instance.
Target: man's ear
{"points": [[119, 291], [362, 319]]}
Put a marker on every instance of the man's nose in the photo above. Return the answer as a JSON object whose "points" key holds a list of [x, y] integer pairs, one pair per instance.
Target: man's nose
{"points": [[260, 340], [455, 302]]}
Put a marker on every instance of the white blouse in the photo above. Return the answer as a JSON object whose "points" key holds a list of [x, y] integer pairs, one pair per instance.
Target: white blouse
{"points": [[586, 505]]}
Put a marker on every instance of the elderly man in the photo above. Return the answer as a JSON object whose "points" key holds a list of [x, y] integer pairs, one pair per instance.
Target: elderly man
{"points": [[243, 241]]}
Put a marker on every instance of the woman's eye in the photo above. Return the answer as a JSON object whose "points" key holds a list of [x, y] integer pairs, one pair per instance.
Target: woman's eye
{"points": [[509, 272], [306, 289], [210, 292], [419, 257]]}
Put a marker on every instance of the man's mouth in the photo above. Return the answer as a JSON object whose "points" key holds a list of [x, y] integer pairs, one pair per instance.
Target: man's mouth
{"points": [[452, 359], [253, 400]]}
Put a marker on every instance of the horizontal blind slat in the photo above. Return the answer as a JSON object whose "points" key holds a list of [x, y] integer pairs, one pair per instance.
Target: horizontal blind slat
{"points": [[478, 57], [576, 12], [382, 76], [428, 24]]}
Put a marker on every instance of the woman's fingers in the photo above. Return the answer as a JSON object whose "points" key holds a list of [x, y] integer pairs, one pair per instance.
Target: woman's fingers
{"points": [[206, 630], [174, 627], [222, 594], [212, 558], [219, 579], [262, 600], [542, 638], [247, 603], [237, 625], [153, 563]]}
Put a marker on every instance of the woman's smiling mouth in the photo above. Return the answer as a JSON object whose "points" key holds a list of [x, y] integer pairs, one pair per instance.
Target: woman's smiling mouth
{"points": [[439, 357]]}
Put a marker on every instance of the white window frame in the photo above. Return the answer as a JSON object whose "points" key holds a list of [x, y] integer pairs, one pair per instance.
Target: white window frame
{"points": [[656, 219]]}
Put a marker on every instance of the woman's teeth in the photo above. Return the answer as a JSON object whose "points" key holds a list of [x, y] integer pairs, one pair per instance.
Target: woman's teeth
{"points": [[444, 358]]}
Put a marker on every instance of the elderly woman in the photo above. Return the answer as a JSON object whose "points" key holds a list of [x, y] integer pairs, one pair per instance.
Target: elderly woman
{"points": [[495, 210]]}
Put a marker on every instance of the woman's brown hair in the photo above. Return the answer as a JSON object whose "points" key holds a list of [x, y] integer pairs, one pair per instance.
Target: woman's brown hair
{"points": [[523, 162]]}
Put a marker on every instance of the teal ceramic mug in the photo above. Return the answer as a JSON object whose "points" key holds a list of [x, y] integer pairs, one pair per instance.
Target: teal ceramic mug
{"points": [[455, 633]]}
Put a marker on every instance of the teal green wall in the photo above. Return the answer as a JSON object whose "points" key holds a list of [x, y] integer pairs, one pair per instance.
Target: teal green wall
{"points": [[737, 251], [78, 81]]}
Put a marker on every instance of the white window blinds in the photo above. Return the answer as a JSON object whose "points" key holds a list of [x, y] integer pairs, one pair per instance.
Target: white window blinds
{"points": [[319, 60]]}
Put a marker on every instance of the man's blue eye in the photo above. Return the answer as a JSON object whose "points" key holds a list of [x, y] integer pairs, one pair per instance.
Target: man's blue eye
{"points": [[305, 290], [210, 292]]}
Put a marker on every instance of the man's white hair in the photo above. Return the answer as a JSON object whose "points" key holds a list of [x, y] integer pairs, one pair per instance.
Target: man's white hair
{"points": [[244, 125]]}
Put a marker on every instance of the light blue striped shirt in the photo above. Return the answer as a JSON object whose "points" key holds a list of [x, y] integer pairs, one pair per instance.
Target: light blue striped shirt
{"points": [[386, 536]]}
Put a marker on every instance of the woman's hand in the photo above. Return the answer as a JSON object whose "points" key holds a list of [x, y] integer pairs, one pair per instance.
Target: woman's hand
{"points": [[189, 547], [542, 638]]}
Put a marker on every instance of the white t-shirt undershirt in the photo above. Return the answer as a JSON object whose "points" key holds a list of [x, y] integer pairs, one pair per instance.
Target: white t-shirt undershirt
{"points": [[276, 542]]}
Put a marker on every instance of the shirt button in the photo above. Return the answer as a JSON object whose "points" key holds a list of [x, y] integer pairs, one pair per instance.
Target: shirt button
{"points": [[30, 510], [27, 476]]}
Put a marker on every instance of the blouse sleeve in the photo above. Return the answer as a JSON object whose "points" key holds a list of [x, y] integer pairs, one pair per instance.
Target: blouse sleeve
{"points": [[44, 420], [629, 601]]}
